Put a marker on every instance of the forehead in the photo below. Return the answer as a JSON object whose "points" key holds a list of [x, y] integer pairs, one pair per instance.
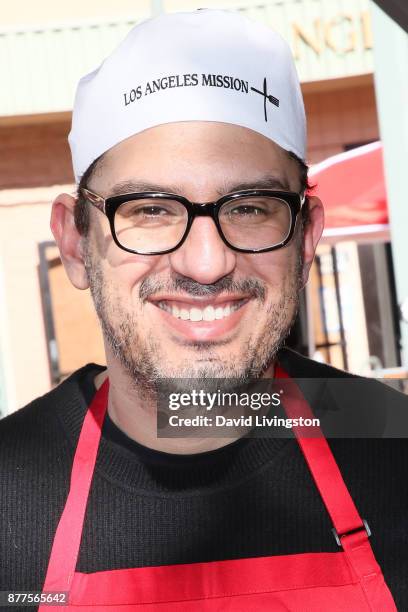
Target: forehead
{"points": [[196, 157]]}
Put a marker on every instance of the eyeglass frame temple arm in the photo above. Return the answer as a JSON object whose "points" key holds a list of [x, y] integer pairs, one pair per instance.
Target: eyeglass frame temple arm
{"points": [[94, 199]]}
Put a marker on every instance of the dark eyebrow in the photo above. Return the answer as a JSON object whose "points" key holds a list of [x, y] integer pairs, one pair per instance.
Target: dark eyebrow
{"points": [[130, 186], [263, 182]]}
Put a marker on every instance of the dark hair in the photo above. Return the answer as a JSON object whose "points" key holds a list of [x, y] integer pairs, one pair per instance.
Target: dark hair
{"points": [[305, 186], [81, 212]]}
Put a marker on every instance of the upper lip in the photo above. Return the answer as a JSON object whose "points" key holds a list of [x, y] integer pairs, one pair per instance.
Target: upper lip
{"points": [[199, 301]]}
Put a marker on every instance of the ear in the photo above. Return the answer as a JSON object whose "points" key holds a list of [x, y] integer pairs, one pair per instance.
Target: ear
{"points": [[312, 234], [68, 239]]}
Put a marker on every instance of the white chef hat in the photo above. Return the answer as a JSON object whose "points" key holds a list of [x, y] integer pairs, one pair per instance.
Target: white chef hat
{"points": [[205, 65]]}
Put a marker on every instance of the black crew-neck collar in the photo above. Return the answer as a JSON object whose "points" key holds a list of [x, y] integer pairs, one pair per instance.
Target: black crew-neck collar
{"points": [[134, 466], [112, 432]]}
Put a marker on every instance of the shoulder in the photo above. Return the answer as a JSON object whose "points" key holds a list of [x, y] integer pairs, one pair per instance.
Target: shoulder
{"points": [[350, 405], [37, 445], [36, 416], [299, 366]]}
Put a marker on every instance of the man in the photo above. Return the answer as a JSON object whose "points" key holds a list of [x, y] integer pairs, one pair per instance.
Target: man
{"points": [[193, 232]]}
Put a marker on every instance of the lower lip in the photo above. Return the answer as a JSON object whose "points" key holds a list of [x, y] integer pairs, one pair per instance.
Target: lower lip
{"points": [[203, 330]]}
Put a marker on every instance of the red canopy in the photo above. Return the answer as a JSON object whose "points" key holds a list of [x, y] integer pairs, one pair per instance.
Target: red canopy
{"points": [[351, 186]]}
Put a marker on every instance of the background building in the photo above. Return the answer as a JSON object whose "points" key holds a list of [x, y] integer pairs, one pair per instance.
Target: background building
{"points": [[349, 316]]}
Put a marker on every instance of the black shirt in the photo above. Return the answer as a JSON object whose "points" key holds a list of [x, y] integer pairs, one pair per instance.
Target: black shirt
{"points": [[253, 497]]}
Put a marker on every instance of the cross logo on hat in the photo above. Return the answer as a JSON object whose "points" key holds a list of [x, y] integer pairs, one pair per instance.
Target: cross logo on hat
{"points": [[266, 96]]}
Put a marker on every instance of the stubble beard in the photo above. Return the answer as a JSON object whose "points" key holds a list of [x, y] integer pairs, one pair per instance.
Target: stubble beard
{"points": [[142, 359]]}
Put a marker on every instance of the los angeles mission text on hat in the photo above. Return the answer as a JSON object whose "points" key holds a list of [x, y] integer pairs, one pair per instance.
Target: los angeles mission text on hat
{"points": [[186, 80]]}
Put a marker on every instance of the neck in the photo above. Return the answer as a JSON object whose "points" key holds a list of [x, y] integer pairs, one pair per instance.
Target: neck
{"points": [[133, 410]]}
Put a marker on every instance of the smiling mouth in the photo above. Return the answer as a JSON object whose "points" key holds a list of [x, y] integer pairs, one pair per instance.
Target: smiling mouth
{"points": [[186, 312]]}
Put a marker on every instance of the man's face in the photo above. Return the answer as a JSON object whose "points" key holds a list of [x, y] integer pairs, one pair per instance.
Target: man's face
{"points": [[139, 298]]}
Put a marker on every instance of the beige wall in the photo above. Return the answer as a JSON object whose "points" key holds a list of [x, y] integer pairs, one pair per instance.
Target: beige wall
{"points": [[49, 11], [42, 12], [24, 222]]}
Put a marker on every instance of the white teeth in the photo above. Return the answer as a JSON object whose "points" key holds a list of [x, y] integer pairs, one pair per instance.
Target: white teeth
{"points": [[196, 314], [209, 313], [219, 312]]}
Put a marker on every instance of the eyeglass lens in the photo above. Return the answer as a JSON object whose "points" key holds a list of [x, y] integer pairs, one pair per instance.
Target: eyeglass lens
{"points": [[149, 225]]}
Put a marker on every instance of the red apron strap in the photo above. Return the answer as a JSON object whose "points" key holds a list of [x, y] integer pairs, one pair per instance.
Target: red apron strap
{"points": [[351, 532], [322, 464], [64, 552]]}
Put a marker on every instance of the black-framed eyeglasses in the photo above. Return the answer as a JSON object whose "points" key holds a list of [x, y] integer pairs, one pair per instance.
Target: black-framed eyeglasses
{"points": [[155, 223]]}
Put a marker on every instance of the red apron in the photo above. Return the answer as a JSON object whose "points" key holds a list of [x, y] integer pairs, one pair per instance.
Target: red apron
{"points": [[350, 580]]}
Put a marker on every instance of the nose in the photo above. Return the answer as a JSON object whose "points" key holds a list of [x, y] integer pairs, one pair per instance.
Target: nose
{"points": [[203, 256]]}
